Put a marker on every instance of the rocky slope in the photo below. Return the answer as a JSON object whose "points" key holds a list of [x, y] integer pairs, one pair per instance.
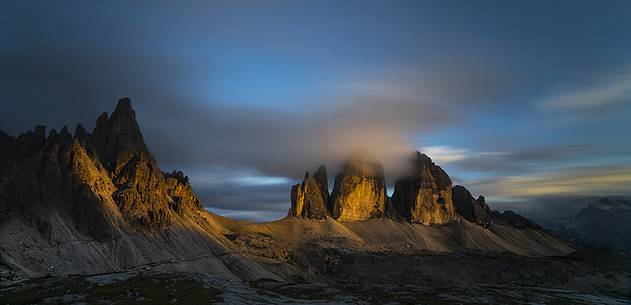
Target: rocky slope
{"points": [[98, 202]]}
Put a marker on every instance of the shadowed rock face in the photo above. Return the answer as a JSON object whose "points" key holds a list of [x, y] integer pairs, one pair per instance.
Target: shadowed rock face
{"points": [[307, 199], [118, 137], [105, 181], [321, 178], [424, 196], [39, 173], [474, 210], [359, 192], [514, 220]]}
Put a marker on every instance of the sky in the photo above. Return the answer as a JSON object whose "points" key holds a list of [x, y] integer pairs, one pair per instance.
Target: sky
{"points": [[525, 102]]}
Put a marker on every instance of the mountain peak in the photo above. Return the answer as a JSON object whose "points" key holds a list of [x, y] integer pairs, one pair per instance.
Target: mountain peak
{"points": [[80, 132], [473, 210], [359, 192], [124, 114], [424, 195], [124, 105], [111, 173], [119, 134], [307, 199]]}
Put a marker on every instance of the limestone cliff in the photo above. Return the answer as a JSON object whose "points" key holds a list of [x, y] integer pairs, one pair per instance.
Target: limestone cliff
{"points": [[424, 195], [307, 199], [359, 192], [474, 210]]}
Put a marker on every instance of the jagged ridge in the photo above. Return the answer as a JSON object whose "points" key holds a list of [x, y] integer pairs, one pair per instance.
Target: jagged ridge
{"points": [[95, 178]]}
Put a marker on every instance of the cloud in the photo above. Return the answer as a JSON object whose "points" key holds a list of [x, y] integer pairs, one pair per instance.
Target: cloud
{"points": [[613, 89], [254, 216], [518, 160], [184, 129], [575, 180], [446, 154]]}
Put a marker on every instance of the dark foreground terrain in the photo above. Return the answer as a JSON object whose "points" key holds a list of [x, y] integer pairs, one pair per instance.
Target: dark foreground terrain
{"points": [[148, 287], [589, 276]]}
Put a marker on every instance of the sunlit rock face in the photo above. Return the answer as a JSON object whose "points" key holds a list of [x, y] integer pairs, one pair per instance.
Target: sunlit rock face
{"points": [[359, 192], [308, 199], [473, 210], [424, 195], [104, 181], [145, 195]]}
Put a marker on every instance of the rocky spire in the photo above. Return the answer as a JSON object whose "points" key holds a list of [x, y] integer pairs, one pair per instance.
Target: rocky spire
{"points": [[6, 143], [424, 195], [146, 196], [119, 135], [29, 142], [307, 199], [359, 192], [321, 178], [473, 210], [80, 132]]}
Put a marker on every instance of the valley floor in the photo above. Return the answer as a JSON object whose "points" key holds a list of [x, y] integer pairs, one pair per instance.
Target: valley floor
{"points": [[589, 276], [150, 287]]}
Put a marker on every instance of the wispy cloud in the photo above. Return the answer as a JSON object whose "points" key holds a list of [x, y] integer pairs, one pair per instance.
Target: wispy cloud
{"points": [[218, 175], [255, 216], [613, 89], [588, 180], [512, 161], [446, 154]]}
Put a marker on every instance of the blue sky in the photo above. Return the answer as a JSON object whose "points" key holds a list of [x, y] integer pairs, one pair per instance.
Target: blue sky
{"points": [[527, 103]]}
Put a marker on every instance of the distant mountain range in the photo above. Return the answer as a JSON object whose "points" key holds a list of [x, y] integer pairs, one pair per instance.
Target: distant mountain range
{"points": [[605, 223], [98, 202]]}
